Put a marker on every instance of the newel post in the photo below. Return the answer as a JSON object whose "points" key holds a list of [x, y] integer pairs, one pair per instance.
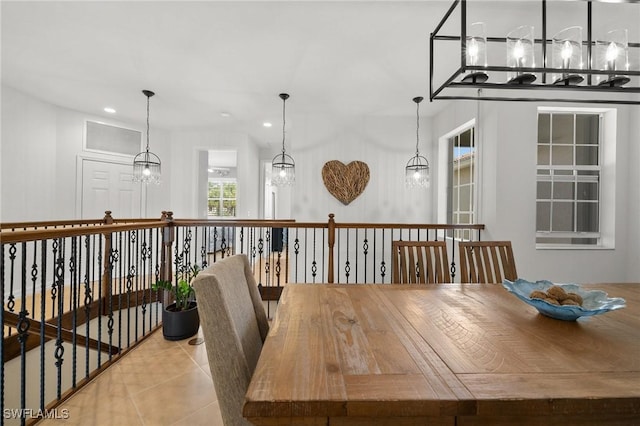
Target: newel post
{"points": [[331, 236], [107, 262], [168, 236]]}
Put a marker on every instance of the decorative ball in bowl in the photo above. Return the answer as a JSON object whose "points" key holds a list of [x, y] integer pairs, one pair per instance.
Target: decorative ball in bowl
{"points": [[566, 302]]}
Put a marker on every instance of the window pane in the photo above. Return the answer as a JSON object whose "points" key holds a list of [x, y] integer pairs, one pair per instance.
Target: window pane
{"points": [[229, 190], [455, 200], [562, 155], [587, 191], [562, 217], [563, 191], [543, 155], [562, 129], [563, 172], [464, 218], [587, 217], [544, 190], [465, 198], [214, 190], [543, 128], [587, 128], [587, 155], [229, 208], [543, 216], [214, 207]]}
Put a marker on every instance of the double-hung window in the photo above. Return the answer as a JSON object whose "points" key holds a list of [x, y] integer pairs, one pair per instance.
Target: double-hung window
{"points": [[461, 180], [222, 198], [568, 196]]}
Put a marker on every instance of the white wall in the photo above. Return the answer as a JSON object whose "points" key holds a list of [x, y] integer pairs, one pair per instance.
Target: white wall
{"points": [[633, 194], [384, 143], [186, 149], [40, 146], [28, 159], [508, 191]]}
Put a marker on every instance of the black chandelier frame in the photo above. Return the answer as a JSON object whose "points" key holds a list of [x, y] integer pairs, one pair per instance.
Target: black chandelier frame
{"points": [[441, 92]]}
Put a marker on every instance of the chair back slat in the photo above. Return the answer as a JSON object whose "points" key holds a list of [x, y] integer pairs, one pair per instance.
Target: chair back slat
{"points": [[420, 262], [487, 262]]}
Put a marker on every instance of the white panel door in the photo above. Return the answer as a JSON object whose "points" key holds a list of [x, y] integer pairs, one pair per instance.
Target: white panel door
{"points": [[109, 186]]}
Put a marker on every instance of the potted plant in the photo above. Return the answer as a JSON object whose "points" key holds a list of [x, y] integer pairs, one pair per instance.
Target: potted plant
{"points": [[180, 319]]}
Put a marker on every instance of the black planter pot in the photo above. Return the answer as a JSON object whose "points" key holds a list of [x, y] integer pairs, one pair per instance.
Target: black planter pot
{"points": [[178, 325]]}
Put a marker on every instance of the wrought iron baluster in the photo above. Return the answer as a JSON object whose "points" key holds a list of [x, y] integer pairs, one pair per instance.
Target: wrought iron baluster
{"points": [[11, 302], [34, 278], [22, 329], [59, 351], [383, 265], [146, 277], [347, 265], [43, 292], [203, 249], [365, 250], [296, 251], [314, 264], [88, 299], [114, 260], [73, 262]]}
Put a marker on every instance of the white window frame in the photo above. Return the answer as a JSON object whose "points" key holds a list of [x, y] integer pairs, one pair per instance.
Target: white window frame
{"points": [[443, 170], [606, 191], [222, 199]]}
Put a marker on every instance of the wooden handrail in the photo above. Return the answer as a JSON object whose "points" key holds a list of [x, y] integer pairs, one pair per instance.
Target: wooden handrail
{"points": [[19, 236]]}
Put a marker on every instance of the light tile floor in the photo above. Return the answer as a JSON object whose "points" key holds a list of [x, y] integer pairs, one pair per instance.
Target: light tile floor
{"points": [[157, 383]]}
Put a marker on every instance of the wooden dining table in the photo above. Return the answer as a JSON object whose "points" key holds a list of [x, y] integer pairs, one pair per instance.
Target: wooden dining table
{"points": [[443, 354]]}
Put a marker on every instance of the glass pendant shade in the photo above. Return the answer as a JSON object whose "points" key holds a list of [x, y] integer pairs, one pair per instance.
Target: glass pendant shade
{"points": [[476, 52], [416, 172], [613, 55], [283, 168], [520, 55], [146, 168], [146, 165], [567, 54]]}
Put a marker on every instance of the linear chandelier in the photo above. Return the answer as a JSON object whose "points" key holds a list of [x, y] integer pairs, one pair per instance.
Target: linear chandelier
{"points": [[525, 68]]}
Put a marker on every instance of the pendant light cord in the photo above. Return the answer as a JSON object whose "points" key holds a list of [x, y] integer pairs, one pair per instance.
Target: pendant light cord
{"points": [[148, 123], [284, 102], [417, 127]]}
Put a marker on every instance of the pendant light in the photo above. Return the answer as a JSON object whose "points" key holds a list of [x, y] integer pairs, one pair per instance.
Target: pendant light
{"points": [[146, 165], [283, 168], [417, 169]]}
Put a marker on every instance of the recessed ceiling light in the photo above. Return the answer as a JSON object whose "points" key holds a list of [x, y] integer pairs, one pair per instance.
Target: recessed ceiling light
{"points": [[267, 124], [109, 110], [225, 114]]}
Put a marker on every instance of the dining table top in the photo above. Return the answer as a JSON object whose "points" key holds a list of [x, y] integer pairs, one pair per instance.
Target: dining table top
{"points": [[463, 354]]}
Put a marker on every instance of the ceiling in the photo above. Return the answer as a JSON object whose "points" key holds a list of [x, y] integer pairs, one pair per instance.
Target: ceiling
{"points": [[221, 64]]}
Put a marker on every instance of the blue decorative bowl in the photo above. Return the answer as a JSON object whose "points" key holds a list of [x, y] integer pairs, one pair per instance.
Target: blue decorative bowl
{"points": [[594, 302]]}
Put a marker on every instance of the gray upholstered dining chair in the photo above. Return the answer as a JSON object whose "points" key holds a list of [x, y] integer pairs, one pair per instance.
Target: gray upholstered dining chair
{"points": [[420, 262], [487, 262], [234, 325]]}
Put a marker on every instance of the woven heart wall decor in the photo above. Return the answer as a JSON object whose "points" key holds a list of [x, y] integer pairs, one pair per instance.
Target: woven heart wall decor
{"points": [[345, 181]]}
